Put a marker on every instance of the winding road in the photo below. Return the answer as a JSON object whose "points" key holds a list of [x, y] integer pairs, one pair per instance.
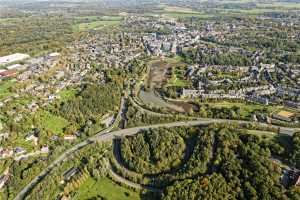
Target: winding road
{"points": [[108, 135]]}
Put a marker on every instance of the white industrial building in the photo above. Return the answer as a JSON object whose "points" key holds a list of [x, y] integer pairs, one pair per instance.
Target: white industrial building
{"points": [[13, 58]]}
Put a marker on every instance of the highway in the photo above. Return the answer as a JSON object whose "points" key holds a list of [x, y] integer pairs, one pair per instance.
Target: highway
{"points": [[106, 135]]}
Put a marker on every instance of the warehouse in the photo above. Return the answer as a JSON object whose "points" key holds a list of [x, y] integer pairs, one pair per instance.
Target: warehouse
{"points": [[13, 58]]}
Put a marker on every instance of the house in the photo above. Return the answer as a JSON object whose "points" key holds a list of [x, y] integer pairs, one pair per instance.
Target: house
{"points": [[15, 67], [32, 137], [60, 74], [291, 104], [70, 137], [191, 93], [55, 54], [284, 116], [6, 153], [8, 73], [70, 173], [4, 136], [45, 149], [19, 150], [4, 178], [291, 178], [258, 99], [13, 58]]}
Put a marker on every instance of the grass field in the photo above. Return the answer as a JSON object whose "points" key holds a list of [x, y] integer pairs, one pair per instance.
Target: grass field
{"points": [[95, 25], [4, 88], [245, 108], [95, 22], [259, 133], [9, 20], [50, 122], [173, 12], [97, 18], [104, 188], [178, 78], [67, 94]]}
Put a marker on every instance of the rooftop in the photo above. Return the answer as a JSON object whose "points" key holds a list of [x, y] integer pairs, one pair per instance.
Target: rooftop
{"points": [[13, 58], [287, 114]]}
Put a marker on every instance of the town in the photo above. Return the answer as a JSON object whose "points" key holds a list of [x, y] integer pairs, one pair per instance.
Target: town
{"points": [[106, 106]]}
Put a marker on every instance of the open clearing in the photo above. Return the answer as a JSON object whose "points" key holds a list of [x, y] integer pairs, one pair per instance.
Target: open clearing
{"points": [[105, 188], [259, 133], [50, 122], [245, 108], [174, 12], [157, 77], [67, 94], [95, 25], [95, 22], [4, 88]]}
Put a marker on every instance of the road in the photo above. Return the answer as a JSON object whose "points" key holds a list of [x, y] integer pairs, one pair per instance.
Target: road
{"points": [[106, 136], [130, 183]]}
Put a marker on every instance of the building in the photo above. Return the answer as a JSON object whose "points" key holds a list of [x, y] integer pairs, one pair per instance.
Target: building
{"points": [[4, 178], [70, 137], [13, 58], [55, 54], [32, 137], [284, 116], [6, 153], [258, 99], [291, 178], [16, 66], [291, 104], [70, 173], [8, 73]]}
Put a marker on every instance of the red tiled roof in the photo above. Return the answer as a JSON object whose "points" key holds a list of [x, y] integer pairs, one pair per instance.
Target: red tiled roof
{"points": [[8, 73]]}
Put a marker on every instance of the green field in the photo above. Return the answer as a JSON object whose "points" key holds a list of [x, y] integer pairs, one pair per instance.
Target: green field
{"points": [[95, 22], [4, 88], [177, 78], [67, 94], [9, 20], [259, 133], [95, 25], [245, 108], [172, 12], [50, 122], [97, 18], [104, 188]]}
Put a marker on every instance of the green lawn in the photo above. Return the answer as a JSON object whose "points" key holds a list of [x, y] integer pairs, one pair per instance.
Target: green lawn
{"points": [[50, 122], [244, 107], [104, 188], [177, 79], [9, 20], [4, 88], [182, 15], [67, 94], [173, 12], [97, 18], [259, 133], [96, 25], [228, 104]]}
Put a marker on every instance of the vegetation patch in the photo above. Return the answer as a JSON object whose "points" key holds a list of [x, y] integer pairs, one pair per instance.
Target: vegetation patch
{"points": [[91, 103], [50, 122], [104, 188], [96, 22], [5, 86], [153, 151]]}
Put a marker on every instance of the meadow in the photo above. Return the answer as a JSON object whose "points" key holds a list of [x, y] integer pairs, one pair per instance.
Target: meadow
{"points": [[106, 189]]}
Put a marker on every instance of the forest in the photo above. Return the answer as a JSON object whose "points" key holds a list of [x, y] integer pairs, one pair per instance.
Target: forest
{"points": [[234, 59], [241, 169], [219, 162], [91, 103]]}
